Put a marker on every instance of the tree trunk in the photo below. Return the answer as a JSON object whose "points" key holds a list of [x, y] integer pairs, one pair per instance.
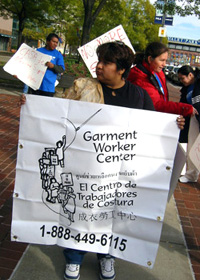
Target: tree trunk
{"points": [[20, 37], [90, 18], [19, 42], [88, 6], [86, 31]]}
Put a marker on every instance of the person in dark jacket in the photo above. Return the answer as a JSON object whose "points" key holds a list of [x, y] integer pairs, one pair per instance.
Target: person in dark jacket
{"points": [[114, 63], [190, 93], [112, 88]]}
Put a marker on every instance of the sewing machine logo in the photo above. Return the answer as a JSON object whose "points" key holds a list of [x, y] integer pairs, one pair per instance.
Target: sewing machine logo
{"points": [[59, 190]]}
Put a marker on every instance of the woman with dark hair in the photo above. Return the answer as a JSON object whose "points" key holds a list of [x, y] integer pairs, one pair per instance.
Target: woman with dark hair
{"points": [[111, 87], [190, 93], [148, 74]]}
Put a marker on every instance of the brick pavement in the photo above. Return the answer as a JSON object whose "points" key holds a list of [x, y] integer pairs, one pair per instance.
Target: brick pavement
{"points": [[10, 252], [187, 196]]}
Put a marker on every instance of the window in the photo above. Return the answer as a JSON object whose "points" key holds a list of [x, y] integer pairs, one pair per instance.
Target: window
{"points": [[172, 46], [197, 59], [179, 47], [15, 24]]}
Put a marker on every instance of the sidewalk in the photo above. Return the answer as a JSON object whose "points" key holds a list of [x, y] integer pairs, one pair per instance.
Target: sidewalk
{"points": [[47, 262], [20, 261]]}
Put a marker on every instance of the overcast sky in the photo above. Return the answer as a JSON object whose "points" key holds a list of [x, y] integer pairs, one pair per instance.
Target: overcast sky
{"points": [[184, 27]]}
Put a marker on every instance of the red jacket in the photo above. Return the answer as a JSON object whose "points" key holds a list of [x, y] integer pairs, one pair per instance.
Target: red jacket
{"points": [[161, 102]]}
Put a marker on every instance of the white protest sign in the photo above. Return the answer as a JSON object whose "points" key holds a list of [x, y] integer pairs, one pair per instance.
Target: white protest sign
{"points": [[179, 162], [88, 51], [193, 146], [28, 65], [95, 181], [195, 153]]}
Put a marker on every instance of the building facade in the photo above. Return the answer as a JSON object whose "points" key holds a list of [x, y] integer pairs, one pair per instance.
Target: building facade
{"points": [[184, 51], [5, 34]]}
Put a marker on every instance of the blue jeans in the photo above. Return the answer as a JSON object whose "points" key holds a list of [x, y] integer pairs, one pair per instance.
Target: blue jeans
{"points": [[25, 89], [76, 256]]}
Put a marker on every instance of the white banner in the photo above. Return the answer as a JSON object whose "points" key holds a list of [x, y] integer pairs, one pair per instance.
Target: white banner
{"points": [[194, 143], [88, 51], [195, 153], [93, 177], [28, 65], [179, 163]]}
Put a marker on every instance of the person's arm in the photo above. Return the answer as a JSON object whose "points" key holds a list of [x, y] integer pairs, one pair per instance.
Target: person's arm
{"points": [[180, 122], [183, 92], [196, 96], [56, 68], [160, 102], [166, 106], [196, 99], [22, 99]]}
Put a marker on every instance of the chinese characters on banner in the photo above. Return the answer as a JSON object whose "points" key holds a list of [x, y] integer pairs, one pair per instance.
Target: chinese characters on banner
{"points": [[88, 51], [97, 180], [28, 65]]}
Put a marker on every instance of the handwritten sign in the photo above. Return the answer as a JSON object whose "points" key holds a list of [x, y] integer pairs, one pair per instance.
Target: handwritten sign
{"points": [[97, 181], [88, 51], [28, 65]]}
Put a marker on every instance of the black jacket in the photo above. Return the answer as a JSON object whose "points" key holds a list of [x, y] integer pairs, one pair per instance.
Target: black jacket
{"points": [[183, 138], [196, 97]]}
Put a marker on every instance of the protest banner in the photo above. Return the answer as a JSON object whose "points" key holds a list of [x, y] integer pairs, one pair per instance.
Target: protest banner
{"points": [[96, 180], [88, 51], [195, 153], [28, 65], [179, 163]]}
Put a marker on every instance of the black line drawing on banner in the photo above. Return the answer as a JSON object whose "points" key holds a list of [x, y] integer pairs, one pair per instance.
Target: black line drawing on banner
{"points": [[59, 190]]}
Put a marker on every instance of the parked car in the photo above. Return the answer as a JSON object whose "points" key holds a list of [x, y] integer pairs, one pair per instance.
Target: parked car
{"points": [[173, 70], [174, 76], [167, 69]]}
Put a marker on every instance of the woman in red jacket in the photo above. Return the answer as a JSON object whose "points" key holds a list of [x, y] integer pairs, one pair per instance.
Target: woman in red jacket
{"points": [[148, 74]]}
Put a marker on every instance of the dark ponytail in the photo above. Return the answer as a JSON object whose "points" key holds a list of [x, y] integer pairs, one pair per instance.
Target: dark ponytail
{"points": [[153, 49], [187, 69]]}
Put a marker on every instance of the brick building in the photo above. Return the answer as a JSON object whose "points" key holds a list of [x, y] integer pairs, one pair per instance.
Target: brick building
{"points": [[5, 34], [184, 51]]}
